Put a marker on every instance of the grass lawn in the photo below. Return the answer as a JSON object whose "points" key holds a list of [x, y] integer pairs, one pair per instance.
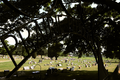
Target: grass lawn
{"points": [[78, 74]]}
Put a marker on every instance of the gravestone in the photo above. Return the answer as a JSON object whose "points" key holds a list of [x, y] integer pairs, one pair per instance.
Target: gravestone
{"points": [[60, 69], [29, 62], [79, 67], [35, 72], [47, 64], [68, 67], [60, 65], [34, 62], [89, 65], [66, 60], [86, 65], [40, 61], [50, 62], [32, 67], [72, 69], [6, 72], [93, 64], [72, 63], [26, 68]]}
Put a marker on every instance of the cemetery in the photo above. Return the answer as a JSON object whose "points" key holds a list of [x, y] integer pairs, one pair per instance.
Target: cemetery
{"points": [[48, 69], [59, 40]]}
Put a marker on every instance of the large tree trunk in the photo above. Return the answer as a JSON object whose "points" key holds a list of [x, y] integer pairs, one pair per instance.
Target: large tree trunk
{"points": [[102, 72]]}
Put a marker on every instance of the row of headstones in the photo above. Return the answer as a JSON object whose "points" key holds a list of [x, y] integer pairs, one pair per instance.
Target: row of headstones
{"points": [[79, 67], [71, 63], [15, 57], [69, 60], [28, 67], [59, 64], [32, 62], [79, 60], [5, 57]]}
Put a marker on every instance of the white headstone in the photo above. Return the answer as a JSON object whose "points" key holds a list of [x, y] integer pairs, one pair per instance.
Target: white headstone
{"points": [[26, 68], [60, 69]]}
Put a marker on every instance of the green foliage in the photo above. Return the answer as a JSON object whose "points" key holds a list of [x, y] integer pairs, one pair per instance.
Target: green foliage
{"points": [[54, 50], [34, 55], [2, 48]]}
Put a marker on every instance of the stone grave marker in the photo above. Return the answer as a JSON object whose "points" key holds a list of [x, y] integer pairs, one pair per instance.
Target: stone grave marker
{"points": [[60, 64], [66, 60], [29, 62], [72, 68], [86, 65], [68, 67], [26, 68], [32, 67], [6, 72], [60, 69], [72, 63], [40, 61], [79, 67]]}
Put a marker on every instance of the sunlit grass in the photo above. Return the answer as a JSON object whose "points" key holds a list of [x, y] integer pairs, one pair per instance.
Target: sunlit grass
{"points": [[8, 64], [83, 72]]}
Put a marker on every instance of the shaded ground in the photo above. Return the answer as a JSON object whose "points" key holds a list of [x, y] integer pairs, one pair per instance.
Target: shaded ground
{"points": [[59, 75]]}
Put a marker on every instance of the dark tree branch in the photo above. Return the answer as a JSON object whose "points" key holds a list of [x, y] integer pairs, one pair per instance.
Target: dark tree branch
{"points": [[63, 7], [14, 8]]}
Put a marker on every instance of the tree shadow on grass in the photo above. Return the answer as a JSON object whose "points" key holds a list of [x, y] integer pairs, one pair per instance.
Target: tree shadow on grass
{"points": [[58, 75]]}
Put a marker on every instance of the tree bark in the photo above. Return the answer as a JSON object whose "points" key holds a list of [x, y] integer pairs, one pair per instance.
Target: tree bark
{"points": [[41, 56], [102, 72], [56, 58]]}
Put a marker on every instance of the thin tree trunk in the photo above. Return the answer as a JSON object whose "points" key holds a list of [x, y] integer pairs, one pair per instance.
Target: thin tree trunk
{"points": [[41, 56], [55, 58]]}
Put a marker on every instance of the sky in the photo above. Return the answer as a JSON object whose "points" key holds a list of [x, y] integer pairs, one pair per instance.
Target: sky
{"points": [[117, 0], [11, 40]]}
